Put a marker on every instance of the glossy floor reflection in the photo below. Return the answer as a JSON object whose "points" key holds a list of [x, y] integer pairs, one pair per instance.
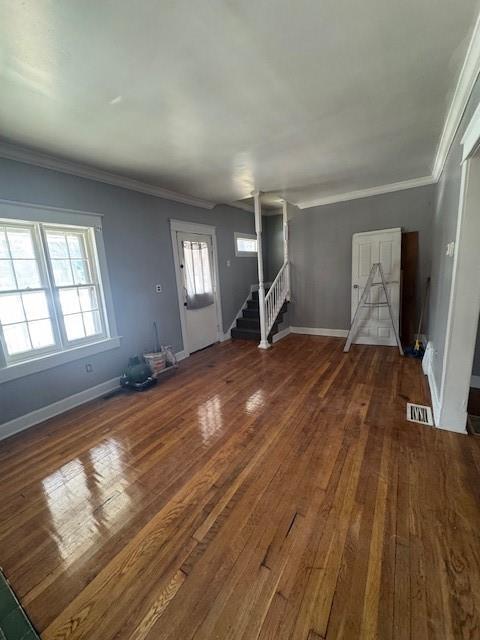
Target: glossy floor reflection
{"points": [[254, 495]]}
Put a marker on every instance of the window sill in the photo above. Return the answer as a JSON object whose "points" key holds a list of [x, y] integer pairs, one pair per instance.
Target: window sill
{"points": [[28, 367]]}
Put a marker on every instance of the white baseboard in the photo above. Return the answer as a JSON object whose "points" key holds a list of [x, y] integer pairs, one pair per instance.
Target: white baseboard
{"points": [[56, 408], [316, 331], [281, 334], [475, 382], [434, 395], [44, 413]]}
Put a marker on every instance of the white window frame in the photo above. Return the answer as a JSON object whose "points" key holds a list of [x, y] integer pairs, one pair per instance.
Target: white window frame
{"points": [[8, 360], [22, 214], [89, 240], [245, 254]]}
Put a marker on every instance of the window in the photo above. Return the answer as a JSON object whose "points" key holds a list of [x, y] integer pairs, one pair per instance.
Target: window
{"points": [[51, 297], [245, 245], [197, 274]]}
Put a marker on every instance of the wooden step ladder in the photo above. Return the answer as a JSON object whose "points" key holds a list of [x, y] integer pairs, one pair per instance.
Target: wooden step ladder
{"points": [[363, 304]]}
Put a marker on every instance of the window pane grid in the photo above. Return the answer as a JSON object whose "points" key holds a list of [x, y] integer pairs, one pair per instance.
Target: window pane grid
{"points": [[50, 295], [80, 312], [17, 269], [68, 269], [77, 292], [26, 327]]}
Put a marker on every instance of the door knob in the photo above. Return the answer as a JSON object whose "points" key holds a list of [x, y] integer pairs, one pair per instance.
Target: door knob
{"points": [[355, 286]]}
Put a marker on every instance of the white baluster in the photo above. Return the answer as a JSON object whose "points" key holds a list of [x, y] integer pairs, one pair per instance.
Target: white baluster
{"points": [[261, 286]]}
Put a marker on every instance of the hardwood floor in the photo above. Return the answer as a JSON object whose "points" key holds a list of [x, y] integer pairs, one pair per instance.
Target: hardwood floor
{"points": [[255, 495]]}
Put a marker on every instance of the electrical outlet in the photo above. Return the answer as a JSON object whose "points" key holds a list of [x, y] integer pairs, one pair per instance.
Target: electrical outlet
{"points": [[89, 368], [158, 288], [228, 263]]}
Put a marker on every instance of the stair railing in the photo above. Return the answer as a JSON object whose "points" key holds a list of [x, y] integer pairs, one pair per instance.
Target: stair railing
{"points": [[271, 302], [276, 296]]}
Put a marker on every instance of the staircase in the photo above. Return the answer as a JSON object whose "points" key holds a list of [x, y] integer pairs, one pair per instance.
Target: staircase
{"points": [[248, 326]]}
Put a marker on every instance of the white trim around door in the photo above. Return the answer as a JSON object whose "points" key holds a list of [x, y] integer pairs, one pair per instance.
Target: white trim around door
{"points": [[204, 229], [464, 305]]}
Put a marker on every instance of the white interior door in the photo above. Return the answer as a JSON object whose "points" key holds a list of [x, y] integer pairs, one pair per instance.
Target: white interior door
{"points": [[195, 256], [382, 246]]}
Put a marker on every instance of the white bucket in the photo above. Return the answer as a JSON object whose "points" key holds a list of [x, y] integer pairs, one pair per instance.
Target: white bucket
{"points": [[156, 361]]}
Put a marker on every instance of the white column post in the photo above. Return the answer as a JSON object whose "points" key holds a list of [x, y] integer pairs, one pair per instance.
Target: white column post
{"points": [[285, 244], [261, 285]]}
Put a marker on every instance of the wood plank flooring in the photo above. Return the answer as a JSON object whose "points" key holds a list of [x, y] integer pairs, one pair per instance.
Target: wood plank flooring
{"points": [[255, 495]]}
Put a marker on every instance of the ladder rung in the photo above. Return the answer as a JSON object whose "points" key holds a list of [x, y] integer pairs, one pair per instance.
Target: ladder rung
{"points": [[375, 304]]}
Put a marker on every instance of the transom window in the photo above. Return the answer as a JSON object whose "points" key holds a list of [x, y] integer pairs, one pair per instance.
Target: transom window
{"points": [[245, 245], [51, 297]]}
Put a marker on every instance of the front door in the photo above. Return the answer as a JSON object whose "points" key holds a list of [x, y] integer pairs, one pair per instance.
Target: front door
{"points": [[195, 255], [382, 246]]}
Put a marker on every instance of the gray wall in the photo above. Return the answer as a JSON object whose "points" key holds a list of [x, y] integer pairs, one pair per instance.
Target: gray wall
{"points": [[444, 231], [321, 250], [139, 254], [272, 245]]}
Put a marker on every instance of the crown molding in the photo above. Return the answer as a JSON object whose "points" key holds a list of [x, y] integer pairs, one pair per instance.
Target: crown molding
{"points": [[46, 161], [466, 81], [238, 204], [366, 193]]}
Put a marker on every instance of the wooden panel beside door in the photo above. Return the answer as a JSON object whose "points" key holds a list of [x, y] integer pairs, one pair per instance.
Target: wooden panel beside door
{"points": [[408, 306]]}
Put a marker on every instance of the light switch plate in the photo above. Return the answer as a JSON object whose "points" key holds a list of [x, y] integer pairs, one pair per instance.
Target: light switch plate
{"points": [[450, 249]]}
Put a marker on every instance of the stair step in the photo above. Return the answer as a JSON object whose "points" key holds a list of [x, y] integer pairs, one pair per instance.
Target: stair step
{"points": [[249, 334], [251, 313], [254, 323], [255, 293], [249, 323], [245, 334], [248, 326]]}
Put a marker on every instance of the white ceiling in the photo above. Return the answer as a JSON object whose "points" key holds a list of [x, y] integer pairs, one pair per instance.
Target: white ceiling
{"points": [[215, 98]]}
